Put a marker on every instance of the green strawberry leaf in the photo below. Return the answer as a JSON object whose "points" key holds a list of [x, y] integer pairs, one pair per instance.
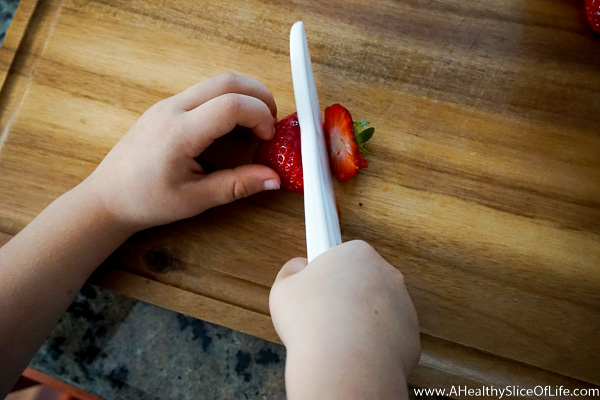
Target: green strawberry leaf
{"points": [[365, 135], [361, 137]]}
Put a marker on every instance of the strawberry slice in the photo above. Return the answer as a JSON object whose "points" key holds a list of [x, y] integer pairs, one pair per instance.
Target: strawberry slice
{"points": [[345, 142], [283, 153], [592, 10]]}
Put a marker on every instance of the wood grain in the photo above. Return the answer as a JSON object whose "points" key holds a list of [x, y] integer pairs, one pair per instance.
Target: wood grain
{"points": [[485, 191]]}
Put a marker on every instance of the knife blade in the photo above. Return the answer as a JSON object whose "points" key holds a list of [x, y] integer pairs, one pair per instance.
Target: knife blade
{"points": [[320, 213]]}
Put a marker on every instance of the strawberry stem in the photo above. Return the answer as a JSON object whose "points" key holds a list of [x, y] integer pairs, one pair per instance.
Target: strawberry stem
{"points": [[363, 136]]}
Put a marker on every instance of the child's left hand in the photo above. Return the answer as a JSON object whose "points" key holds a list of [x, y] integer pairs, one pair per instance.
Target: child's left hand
{"points": [[151, 177]]}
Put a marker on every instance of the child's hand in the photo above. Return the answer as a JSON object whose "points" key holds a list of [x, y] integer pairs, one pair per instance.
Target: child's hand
{"points": [[151, 178], [349, 326]]}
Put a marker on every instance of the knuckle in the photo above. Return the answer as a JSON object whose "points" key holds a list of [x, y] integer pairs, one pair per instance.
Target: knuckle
{"points": [[158, 115], [361, 246], [160, 107], [240, 190], [154, 110], [229, 80], [399, 276], [231, 102]]}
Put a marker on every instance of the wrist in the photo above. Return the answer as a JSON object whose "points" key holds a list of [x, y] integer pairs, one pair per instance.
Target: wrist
{"points": [[342, 370], [86, 198]]}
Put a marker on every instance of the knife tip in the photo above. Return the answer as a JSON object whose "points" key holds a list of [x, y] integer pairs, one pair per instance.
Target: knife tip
{"points": [[298, 25]]}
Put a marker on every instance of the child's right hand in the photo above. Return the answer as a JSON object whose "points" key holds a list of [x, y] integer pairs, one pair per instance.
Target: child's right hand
{"points": [[349, 326]]}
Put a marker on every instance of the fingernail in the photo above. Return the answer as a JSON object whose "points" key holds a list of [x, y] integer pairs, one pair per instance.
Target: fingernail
{"points": [[274, 131], [271, 184]]}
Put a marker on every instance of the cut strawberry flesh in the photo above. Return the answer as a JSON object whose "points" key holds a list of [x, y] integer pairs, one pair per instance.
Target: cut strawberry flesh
{"points": [[344, 156]]}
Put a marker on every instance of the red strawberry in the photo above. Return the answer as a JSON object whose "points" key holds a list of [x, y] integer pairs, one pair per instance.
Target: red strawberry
{"points": [[283, 153], [592, 10], [345, 142]]}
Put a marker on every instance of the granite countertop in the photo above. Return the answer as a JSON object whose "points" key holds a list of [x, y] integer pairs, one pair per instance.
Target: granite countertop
{"points": [[119, 348], [7, 12]]}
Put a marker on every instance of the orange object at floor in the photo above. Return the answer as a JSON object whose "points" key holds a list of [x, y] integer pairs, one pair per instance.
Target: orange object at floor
{"points": [[35, 385]]}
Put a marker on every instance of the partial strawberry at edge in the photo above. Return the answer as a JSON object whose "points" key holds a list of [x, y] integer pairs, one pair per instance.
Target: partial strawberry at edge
{"points": [[283, 153], [345, 142], [592, 11]]}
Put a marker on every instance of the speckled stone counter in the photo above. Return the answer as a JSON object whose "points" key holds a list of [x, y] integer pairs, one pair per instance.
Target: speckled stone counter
{"points": [[7, 12], [119, 348]]}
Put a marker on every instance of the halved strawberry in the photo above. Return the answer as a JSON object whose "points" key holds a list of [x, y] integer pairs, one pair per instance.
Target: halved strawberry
{"points": [[283, 153], [345, 142]]}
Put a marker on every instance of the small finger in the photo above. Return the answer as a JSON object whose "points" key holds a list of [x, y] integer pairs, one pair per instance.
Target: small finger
{"points": [[228, 82], [220, 115]]}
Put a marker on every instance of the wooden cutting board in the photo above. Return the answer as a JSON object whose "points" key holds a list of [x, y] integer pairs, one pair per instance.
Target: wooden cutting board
{"points": [[485, 191]]}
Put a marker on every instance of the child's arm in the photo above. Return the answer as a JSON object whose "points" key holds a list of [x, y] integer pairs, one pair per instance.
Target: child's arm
{"points": [[149, 178], [349, 326]]}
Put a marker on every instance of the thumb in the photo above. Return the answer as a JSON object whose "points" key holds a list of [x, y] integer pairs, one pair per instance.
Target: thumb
{"points": [[291, 267], [225, 186]]}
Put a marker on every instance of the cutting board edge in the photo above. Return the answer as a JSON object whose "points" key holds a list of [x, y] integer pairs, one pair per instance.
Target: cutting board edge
{"points": [[29, 32], [14, 36]]}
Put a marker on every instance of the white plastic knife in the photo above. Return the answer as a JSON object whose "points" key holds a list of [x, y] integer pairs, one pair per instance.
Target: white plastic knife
{"points": [[320, 214]]}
